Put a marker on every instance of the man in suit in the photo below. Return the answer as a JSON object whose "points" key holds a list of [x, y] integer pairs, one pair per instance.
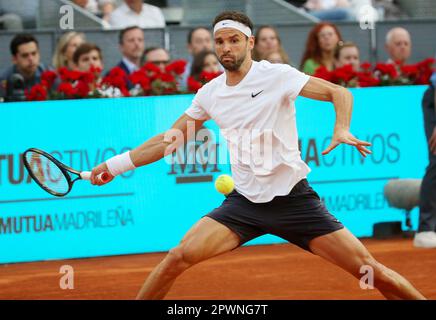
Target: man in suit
{"points": [[132, 48]]}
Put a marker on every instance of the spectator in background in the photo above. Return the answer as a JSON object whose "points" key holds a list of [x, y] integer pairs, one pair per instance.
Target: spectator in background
{"points": [[26, 62], [10, 21], [398, 45], [101, 8], [65, 48], [426, 234], [137, 13], [86, 56], [205, 61], [158, 56], [132, 47], [320, 48], [266, 42], [347, 53], [199, 39], [329, 10]]}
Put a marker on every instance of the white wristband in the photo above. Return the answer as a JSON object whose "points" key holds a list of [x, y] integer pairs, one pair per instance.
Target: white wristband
{"points": [[119, 164]]}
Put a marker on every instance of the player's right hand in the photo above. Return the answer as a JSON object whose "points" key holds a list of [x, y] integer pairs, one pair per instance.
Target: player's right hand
{"points": [[101, 168]]}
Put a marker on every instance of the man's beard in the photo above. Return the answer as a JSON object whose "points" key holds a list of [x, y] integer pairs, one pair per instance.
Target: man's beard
{"points": [[232, 65]]}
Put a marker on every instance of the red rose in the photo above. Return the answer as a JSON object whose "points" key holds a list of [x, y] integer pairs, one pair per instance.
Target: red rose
{"points": [[343, 74], [193, 85], [387, 69], [323, 73], [366, 66], [409, 70], [208, 76], [81, 89], [139, 77], [37, 93], [166, 77], [150, 67], [177, 66], [48, 77], [66, 88], [87, 77], [366, 79]]}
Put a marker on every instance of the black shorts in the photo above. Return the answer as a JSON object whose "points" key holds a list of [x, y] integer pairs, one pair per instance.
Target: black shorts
{"points": [[297, 217]]}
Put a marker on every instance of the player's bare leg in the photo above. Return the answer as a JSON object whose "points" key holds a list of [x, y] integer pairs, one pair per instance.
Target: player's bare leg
{"points": [[345, 250], [206, 239]]}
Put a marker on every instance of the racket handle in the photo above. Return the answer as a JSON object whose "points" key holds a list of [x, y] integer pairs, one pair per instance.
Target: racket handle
{"points": [[86, 175]]}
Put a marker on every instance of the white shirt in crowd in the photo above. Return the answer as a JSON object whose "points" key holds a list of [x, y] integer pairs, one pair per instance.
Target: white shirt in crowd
{"points": [[94, 6], [150, 17], [259, 110]]}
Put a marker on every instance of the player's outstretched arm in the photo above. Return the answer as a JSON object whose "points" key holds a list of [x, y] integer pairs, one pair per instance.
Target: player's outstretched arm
{"points": [[342, 99], [150, 151]]}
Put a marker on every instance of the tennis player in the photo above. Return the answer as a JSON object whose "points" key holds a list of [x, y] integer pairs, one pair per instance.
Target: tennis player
{"points": [[272, 198]]}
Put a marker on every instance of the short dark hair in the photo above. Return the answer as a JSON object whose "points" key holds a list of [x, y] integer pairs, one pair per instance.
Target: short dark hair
{"points": [[85, 48], [124, 31], [234, 15], [21, 39], [192, 31]]}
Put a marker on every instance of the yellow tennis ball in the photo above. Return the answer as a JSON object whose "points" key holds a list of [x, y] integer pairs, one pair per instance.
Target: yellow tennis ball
{"points": [[224, 184]]}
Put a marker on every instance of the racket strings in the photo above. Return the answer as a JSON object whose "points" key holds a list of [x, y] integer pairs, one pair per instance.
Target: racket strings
{"points": [[47, 173]]}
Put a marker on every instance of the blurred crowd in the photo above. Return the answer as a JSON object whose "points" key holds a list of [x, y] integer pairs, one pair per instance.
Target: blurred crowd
{"points": [[326, 54]]}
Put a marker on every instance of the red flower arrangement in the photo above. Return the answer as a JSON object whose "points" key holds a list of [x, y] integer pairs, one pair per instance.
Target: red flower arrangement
{"points": [[195, 84], [382, 74]]}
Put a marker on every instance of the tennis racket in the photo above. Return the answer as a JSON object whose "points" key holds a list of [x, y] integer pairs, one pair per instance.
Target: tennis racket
{"points": [[52, 175]]}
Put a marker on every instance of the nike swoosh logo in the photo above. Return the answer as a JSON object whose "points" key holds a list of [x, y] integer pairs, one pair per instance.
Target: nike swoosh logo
{"points": [[255, 95]]}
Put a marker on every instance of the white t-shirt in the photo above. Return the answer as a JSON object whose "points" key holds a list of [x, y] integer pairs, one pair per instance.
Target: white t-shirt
{"points": [[149, 17], [257, 119]]}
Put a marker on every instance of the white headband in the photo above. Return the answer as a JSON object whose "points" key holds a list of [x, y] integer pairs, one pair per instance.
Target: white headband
{"points": [[234, 25]]}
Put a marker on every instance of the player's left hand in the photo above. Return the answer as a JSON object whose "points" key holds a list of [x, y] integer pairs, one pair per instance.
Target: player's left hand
{"points": [[345, 136]]}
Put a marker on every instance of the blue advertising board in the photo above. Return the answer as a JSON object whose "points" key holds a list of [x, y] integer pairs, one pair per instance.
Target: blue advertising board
{"points": [[151, 208]]}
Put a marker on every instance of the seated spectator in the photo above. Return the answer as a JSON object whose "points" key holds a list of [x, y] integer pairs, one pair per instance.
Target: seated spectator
{"points": [[100, 8], [131, 45], [86, 56], [329, 10], [65, 48], [347, 53], [398, 45], [26, 63], [10, 21], [137, 13], [266, 42], [199, 39], [205, 61], [320, 48], [158, 56]]}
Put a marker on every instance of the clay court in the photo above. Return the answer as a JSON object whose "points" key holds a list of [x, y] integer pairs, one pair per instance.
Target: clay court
{"points": [[255, 272]]}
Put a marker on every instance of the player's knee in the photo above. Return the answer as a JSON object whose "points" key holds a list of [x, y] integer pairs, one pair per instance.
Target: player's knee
{"points": [[175, 263], [182, 257]]}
